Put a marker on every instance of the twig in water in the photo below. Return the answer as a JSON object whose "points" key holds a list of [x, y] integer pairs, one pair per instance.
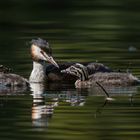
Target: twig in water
{"points": [[103, 89], [107, 94]]}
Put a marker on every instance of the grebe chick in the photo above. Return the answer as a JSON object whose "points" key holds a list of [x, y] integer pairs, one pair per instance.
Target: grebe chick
{"points": [[54, 74], [104, 78], [9, 79]]}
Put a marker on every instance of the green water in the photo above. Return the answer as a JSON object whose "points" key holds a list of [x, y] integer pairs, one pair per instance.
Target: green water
{"points": [[77, 30]]}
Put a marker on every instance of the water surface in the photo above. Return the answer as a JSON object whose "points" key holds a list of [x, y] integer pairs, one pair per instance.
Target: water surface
{"points": [[83, 31]]}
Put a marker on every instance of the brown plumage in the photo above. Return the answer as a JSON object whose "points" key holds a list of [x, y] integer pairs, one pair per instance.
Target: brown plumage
{"points": [[104, 78], [10, 79], [108, 79]]}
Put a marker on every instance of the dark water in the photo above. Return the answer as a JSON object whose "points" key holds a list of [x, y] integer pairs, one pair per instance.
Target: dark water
{"points": [[83, 31]]}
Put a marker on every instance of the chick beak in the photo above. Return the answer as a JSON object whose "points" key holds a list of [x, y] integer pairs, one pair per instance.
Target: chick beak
{"points": [[63, 71]]}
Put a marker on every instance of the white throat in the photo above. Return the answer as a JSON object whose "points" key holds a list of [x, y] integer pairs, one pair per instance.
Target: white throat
{"points": [[38, 74]]}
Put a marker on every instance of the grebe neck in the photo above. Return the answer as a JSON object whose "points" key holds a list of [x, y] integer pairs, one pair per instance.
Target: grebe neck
{"points": [[38, 74]]}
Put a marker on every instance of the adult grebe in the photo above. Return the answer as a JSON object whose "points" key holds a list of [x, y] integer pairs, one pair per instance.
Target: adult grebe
{"points": [[104, 78], [41, 53]]}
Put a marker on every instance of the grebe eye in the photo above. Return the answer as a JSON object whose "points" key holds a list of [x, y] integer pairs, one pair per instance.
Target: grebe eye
{"points": [[41, 52]]}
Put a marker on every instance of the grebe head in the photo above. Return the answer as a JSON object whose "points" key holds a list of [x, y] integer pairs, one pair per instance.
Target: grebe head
{"points": [[40, 51], [78, 70]]}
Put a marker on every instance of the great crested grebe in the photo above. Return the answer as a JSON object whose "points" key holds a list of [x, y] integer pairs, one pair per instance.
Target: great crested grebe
{"points": [[104, 78], [41, 53]]}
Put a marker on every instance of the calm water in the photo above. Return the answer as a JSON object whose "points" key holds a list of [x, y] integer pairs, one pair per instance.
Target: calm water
{"points": [[83, 31]]}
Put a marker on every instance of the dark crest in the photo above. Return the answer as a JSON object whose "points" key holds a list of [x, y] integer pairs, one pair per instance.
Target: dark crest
{"points": [[43, 44], [40, 42]]}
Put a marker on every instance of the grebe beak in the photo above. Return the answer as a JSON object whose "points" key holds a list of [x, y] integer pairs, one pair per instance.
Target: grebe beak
{"points": [[49, 59]]}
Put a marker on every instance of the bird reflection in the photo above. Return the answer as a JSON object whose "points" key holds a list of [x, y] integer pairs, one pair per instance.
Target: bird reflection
{"points": [[41, 112], [75, 99]]}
